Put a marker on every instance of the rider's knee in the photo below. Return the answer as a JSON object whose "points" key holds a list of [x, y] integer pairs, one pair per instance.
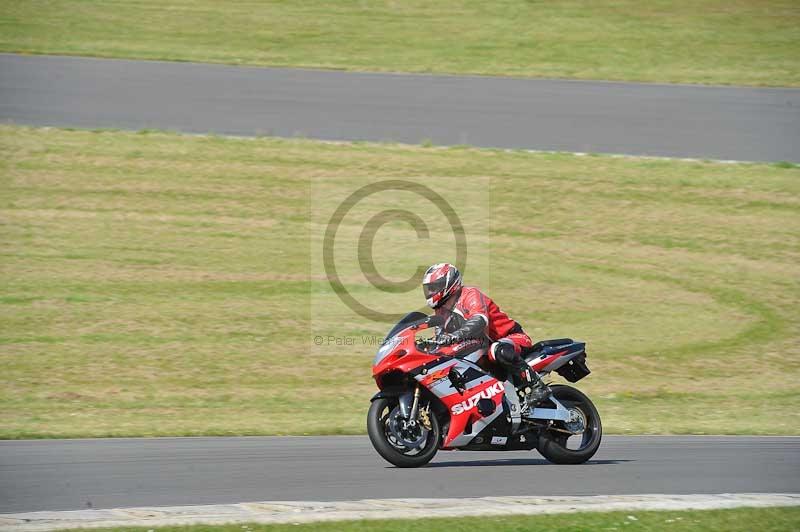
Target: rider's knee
{"points": [[503, 353]]}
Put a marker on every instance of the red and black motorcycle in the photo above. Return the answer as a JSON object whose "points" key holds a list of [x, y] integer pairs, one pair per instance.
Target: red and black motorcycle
{"points": [[450, 397]]}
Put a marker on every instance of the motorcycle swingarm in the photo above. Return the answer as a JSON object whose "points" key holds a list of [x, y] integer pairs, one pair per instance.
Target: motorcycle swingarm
{"points": [[559, 413]]}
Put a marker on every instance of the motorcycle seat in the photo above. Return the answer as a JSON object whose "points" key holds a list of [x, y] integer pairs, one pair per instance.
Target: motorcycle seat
{"points": [[545, 346], [538, 346]]}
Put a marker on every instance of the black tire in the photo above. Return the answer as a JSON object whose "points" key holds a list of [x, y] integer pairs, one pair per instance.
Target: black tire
{"points": [[376, 429], [553, 445]]}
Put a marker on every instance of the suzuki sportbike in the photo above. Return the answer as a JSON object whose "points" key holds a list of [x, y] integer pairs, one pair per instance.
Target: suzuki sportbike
{"points": [[452, 397]]}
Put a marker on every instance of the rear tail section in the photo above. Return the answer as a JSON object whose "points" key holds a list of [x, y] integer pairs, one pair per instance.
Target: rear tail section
{"points": [[564, 356]]}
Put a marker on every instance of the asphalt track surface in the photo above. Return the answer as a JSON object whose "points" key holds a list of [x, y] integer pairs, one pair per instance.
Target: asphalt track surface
{"points": [[627, 118], [78, 474]]}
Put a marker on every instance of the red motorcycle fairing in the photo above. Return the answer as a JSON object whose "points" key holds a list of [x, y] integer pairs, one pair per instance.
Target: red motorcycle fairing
{"points": [[466, 421], [400, 354]]}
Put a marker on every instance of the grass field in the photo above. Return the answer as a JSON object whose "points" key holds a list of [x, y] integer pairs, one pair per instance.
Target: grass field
{"points": [[692, 41], [741, 519], [158, 284]]}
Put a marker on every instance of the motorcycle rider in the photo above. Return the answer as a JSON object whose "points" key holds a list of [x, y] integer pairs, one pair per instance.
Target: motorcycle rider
{"points": [[470, 314]]}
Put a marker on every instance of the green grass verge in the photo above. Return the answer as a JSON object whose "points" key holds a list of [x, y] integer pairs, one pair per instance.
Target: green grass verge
{"points": [[740, 519], [692, 41], [155, 284]]}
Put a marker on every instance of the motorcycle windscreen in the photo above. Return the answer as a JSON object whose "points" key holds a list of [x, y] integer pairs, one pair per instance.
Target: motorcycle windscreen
{"points": [[389, 344], [412, 318]]}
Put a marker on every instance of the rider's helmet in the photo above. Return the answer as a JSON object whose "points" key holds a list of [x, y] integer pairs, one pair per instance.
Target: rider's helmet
{"points": [[440, 282]]}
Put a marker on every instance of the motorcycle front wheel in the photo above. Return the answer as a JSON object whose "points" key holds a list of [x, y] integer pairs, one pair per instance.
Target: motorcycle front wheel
{"points": [[576, 441], [394, 441]]}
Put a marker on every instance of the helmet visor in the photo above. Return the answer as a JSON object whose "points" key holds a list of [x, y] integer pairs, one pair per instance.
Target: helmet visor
{"points": [[434, 287]]}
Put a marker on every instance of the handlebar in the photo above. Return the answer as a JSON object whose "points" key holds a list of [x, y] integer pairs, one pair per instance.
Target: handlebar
{"points": [[430, 346]]}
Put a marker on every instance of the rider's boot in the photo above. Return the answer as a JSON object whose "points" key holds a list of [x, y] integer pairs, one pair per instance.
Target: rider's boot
{"points": [[532, 389]]}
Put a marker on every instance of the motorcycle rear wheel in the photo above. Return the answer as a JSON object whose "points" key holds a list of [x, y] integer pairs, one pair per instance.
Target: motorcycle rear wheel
{"points": [[553, 443], [377, 428]]}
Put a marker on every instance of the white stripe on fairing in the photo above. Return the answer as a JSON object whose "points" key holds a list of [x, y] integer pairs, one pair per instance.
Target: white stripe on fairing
{"points": [[476, 355], [311, 511]]}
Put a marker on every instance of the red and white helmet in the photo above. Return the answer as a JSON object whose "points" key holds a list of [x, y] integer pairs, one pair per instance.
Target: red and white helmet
{"points": [[440, 282]]}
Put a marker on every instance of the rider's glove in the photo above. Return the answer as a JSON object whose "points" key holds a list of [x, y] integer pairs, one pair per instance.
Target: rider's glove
{"points": [[472, 328], [446, 339]]}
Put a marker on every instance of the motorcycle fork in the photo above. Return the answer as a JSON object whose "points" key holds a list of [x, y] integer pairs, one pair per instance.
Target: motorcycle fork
{"points": [[409, 406], [412, 416]]}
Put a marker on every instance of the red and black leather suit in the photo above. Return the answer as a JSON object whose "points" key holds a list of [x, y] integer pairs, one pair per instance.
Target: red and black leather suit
{"points": [[471, 314]]}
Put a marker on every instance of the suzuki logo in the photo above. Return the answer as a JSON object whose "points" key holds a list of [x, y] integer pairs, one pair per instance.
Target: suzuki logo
{"points": [[470, 403]]}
